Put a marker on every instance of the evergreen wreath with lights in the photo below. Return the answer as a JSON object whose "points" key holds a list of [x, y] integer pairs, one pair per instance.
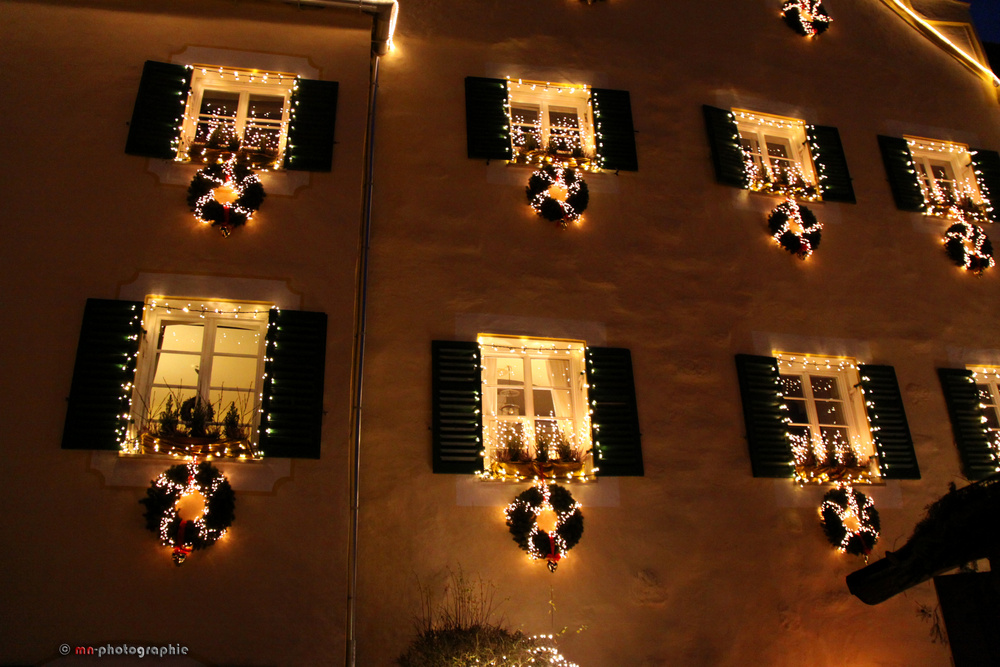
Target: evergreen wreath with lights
{"points": [[522, 520], [226, 216], [802, 240], [806, 17], [844, 504], [577, 194], [969, 247], [161, 501]]}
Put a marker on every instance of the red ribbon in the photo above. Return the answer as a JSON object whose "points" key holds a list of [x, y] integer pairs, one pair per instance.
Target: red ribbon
{"points": [[553, 555]]}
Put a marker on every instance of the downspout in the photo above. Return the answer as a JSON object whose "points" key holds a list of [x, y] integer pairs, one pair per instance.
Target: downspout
{"points": [[383, 13]]}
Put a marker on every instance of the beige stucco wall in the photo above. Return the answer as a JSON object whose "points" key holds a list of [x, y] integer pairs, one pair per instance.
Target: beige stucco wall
{"points": [[697, 563], [82, 219]]}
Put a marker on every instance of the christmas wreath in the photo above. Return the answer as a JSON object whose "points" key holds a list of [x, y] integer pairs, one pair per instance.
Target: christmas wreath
{"points": [[244, 190], [806, 17], [969, 247], [795, 228], [184, 535], [563, 178], [850, 520], [522, 520]]}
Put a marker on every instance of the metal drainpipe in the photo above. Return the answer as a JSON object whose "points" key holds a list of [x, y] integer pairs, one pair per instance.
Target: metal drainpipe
{"points": [[383, 13], [357, 376]]}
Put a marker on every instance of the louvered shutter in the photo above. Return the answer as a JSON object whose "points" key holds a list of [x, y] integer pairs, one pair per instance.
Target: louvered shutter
{"points": [[902, 173], [971, 436], [986, 164], [614, 129], [311, 128], [98, 403], [767, 438], [727, 152], [457, 405], [292, 409], [831, 163], [614, 414], [486, 122], [884, 404], [159, 110]]}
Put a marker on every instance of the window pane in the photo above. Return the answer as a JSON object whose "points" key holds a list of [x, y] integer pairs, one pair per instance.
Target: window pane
{"points": [[991, 417], [236, 340], [219, 103], [824, 387], [158, 400], [551, 402], [177, 370], [244, 401], [837, 444], [791, 386], [831, 412], [797, 411], [511, 402], [550, 373], [265, 106], [510, 371], [181, 337], [234, 372], [777, 148]]}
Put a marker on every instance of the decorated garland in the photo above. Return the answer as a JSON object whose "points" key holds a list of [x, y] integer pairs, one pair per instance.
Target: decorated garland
{"points": [[850, 520], [522, 519], [969, 247], [246, 194], [795, 228], [183, 535], [563, 178], [806, 17]]}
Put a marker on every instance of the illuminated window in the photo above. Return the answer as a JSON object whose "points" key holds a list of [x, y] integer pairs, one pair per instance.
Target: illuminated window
{"points": [[535, 414], [827, 424], [946, 177], [199, 377], [987, 380], [553, 119], [231, 109], [776, 154]]}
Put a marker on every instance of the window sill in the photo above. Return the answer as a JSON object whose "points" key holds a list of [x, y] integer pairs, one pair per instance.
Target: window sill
{"points": [[124, 470], [275, 182]]}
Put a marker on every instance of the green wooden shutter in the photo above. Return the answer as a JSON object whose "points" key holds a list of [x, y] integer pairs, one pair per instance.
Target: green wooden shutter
{"points": [[615, 131], [727, 152], [902, 174], [311, 128], [896, 458], [457, 405], [486, 122], [158, 110], [765, 419], [831, 163], [292, 417], [986, 164], [105, 367], [614, 414], [971, 436]]}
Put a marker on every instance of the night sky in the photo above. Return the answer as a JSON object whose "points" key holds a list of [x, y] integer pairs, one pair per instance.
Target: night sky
{"points": [[986, 16]]}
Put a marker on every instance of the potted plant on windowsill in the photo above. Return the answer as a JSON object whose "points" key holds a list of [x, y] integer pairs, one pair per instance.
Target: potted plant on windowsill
{"points": [[188, 430], [555, 456]]}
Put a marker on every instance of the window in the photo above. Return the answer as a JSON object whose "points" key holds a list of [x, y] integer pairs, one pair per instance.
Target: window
{"points": [[175, 376], [776, 154], [946, 178], [204, 113], [199, 377], [528, 122], [822, 419], [550, 120], [827, 425], [230, 109], [558, 407], [535, 416]]}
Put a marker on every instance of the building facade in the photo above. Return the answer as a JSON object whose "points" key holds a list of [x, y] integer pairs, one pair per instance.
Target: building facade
{"points": [[696, 265]]}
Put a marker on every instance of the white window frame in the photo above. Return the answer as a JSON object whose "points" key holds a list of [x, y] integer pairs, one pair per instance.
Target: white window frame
{"points": [[760, 129], [547, 98], [956, 158], [525, 349], [845, 371], [165, 310], [988, 378], [243, 82]]}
